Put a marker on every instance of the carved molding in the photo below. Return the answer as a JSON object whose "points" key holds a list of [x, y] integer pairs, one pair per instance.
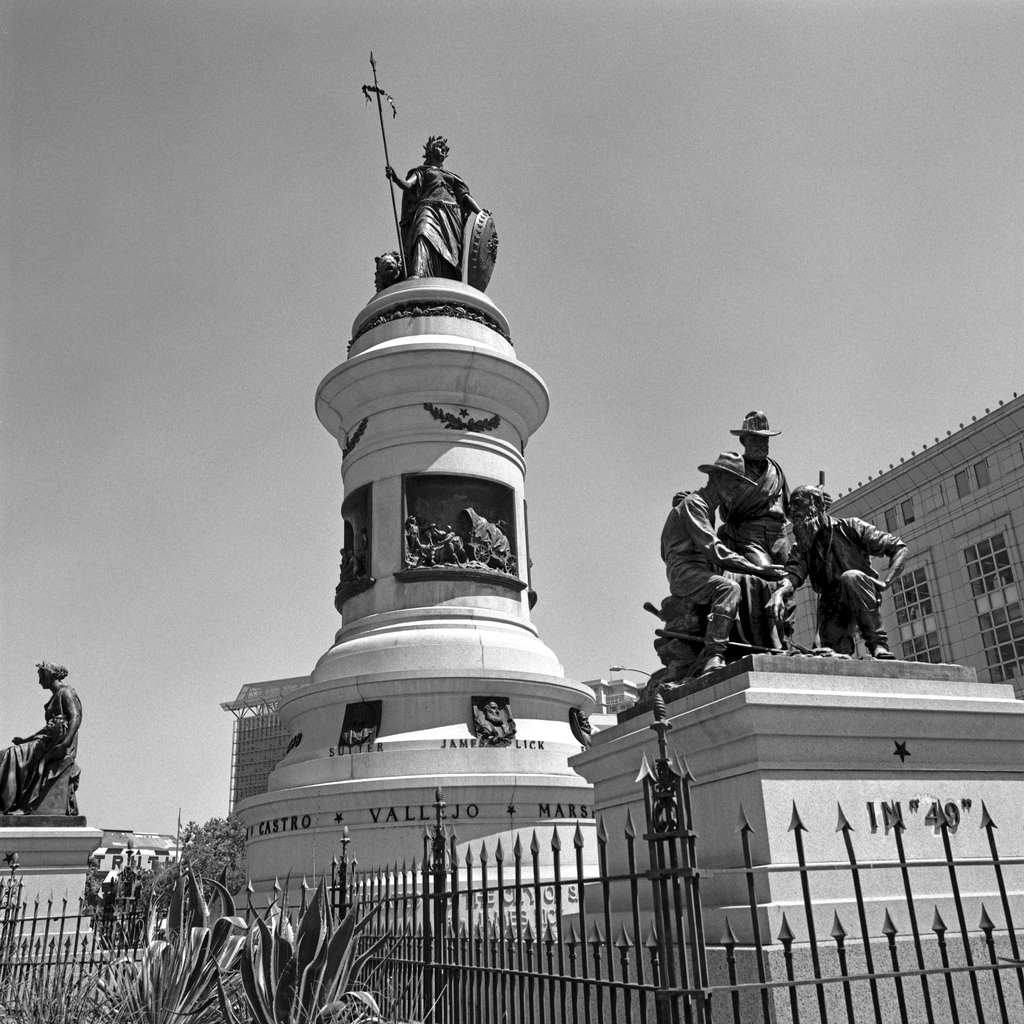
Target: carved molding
{"points": [[455, 572], [462, 421], [354, 438], [346, 590], [413, 309]]}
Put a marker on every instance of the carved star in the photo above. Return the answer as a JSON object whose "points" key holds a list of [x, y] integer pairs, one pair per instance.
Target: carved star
{"points": [[510, 810], [463, 412], [10, 859], [901, 751], [340, 816]]}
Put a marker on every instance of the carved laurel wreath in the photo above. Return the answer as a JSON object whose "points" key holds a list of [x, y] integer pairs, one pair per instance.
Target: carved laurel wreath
{"points": [[455, 310], [462, 420], [353, 438]]}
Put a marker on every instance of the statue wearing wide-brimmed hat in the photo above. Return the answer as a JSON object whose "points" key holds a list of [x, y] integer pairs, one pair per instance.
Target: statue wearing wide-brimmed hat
{"points": [[754, 525], [755, 424], [696, 560]]}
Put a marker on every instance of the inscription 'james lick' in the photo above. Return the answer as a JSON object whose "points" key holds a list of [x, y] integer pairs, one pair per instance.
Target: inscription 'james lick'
{"points": [[465, 744]]}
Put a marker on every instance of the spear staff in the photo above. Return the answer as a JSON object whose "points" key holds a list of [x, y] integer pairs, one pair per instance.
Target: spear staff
{"points": [[376, 89]]}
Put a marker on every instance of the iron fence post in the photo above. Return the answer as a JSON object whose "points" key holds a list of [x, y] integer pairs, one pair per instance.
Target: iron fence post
{"points": [[435, 941]]}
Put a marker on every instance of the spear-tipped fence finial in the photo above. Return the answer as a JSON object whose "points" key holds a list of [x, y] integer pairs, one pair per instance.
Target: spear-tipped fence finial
{"points": [[743, 825], [661, 725], [842, 823], [577, 838], [986, 818], [795, 823]]}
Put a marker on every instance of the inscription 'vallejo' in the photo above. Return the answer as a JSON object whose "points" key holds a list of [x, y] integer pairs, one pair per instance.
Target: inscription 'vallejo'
{"points": [[425, 813]]}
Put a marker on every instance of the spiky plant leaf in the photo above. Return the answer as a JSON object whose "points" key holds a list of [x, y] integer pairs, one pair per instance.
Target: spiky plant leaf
{"points": [[253, 982], [284, 995]]}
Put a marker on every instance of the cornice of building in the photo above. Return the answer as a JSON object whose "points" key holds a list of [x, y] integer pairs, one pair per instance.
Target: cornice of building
{"points": [[948, 452]]}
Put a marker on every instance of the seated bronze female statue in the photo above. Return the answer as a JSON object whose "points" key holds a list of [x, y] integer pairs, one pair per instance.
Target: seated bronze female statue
{"points": [[37, 770]]}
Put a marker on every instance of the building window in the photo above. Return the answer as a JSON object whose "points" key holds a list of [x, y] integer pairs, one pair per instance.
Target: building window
{"points": [[997, 603], [892, 524], [988, 567], [963, 483], [907, 508], [981, 473], [915, 615]]}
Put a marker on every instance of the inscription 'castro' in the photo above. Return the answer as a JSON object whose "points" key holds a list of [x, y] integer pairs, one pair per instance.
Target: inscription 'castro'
{"points": [[289, 823]]}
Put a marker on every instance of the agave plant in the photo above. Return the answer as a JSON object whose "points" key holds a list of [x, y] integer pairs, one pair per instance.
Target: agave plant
{"points": [[179, 977], [62, 995], [305, 976]]}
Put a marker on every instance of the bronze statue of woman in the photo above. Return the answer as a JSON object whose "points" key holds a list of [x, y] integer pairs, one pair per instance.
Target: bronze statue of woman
{"points": [[435, 203], [36, 765]]}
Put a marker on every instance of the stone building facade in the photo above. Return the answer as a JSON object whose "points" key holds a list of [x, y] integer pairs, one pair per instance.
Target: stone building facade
{"points": [[959, 505]]}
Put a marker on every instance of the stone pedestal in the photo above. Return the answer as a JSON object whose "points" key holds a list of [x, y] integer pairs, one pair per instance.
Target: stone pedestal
{"points": [[52, 853], [432, 411], [770, 734]]}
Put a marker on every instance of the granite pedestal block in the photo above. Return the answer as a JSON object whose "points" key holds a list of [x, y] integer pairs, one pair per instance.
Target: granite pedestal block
{"points": [[770, 734], [52, 854]]}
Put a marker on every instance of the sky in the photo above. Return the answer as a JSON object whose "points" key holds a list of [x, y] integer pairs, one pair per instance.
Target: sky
{"points": [[812, 209]]}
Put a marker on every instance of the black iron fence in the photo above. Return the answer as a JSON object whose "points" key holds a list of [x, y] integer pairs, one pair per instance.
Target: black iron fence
{"points": [[548, 930], [534, 935], [46, 939]]}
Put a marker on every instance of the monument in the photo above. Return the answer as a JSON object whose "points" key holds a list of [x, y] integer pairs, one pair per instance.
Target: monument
{"points": [[437, 675], [42, 835], [791, 749]]}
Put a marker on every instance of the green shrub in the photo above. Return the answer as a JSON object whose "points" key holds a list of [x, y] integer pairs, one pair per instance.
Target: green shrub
{"points": [[304, 976], [62, 994], [178, 978]]}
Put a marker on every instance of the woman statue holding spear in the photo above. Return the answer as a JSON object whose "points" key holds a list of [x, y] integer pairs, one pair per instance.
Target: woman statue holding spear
{"points": [[435, 203], [436, 206]]}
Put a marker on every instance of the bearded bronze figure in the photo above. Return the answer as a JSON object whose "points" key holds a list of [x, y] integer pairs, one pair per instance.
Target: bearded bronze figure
{"points": [[835, 555]]}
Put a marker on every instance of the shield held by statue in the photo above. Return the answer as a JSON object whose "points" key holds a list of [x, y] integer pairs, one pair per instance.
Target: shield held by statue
{"points": [[479, 249]]}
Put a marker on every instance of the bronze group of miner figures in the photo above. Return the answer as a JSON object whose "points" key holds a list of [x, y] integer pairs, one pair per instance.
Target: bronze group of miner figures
{"points": [[731, 590]]}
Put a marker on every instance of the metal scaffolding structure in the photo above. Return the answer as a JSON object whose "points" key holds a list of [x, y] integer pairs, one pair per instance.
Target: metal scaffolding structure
{"points": [[259, 740]]}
